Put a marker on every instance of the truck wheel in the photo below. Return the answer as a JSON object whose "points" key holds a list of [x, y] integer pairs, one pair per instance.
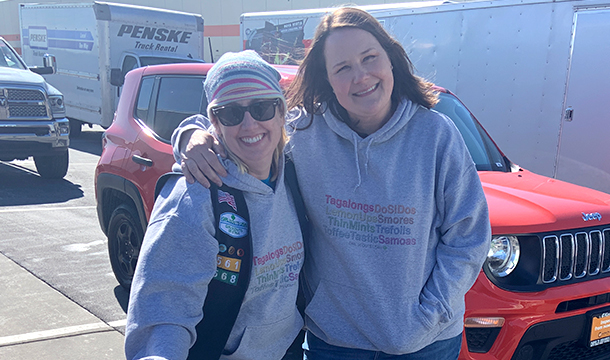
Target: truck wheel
{"points": [[52, 166], [76, 128], [124, 241]]}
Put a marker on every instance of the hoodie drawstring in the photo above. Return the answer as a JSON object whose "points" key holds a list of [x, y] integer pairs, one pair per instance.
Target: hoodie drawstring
{"points": [[355, 142]]}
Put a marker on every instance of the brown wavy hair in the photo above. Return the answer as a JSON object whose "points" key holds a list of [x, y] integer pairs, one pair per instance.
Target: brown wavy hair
{"points": [[311, 87]]}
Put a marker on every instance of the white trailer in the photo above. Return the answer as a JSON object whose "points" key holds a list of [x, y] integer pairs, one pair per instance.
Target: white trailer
{"points": [[91, 41], [533, 71]]}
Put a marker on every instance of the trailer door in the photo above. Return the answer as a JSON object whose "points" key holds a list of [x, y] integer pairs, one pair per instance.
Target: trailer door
{"points": [[584, 144]]}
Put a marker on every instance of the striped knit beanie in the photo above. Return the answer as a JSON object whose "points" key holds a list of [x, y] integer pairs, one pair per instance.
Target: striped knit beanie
{"points": [[239, 76]]}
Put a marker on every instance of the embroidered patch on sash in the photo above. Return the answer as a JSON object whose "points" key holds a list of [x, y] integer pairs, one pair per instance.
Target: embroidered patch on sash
{"points": [[222, 248], [228, 198], [227, 277], [228, 263], [227, 270], [233, 225]]}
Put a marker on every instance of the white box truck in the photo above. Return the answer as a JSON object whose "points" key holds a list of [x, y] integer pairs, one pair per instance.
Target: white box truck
{"points": [[533, 71], [98, 43]]}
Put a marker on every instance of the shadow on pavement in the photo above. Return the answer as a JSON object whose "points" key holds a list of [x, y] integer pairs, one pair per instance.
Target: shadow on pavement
{"points": [[89, 141], [122, 296], [22, 186]]}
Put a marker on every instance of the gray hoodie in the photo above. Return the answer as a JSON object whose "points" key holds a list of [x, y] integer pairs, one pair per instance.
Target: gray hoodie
{"points": [[400, 229], [178, 259]]}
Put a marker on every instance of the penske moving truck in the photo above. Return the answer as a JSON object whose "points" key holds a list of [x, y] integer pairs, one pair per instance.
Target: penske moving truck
{"points": [[533, 71], [97, 43]]}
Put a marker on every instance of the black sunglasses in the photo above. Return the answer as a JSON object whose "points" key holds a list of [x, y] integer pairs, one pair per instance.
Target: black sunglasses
{"points": [[232, 115]]}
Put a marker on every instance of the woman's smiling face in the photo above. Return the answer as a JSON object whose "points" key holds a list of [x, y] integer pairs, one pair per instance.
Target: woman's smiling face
{"points": [[360, 74], [253, 141]]}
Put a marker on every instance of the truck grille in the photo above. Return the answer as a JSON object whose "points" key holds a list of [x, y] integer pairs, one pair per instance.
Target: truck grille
{"points": [[16, 111], [25, 95], [575, 255], [16, 103]]}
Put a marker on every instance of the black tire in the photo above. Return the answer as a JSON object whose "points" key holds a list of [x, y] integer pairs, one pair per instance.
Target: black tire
{"points": [[76, 128], [125, 237], [53, 166]]}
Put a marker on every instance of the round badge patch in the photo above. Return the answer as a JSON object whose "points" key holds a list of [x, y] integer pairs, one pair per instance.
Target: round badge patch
{"points": [[233, 225], [222, 248]]}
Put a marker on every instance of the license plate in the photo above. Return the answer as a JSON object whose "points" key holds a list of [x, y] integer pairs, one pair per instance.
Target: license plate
{"points": [[600, 328]]}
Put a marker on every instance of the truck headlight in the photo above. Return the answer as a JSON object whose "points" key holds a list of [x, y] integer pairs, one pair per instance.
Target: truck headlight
{"points": [[503, 255], [57, 106]]}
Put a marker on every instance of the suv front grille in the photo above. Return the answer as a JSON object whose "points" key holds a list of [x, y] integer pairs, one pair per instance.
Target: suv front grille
{"points": [[26, 104], [575, 255]]}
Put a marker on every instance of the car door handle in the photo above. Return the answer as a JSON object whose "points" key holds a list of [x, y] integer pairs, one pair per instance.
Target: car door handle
{"points": [[142, 161], [569, 114]]}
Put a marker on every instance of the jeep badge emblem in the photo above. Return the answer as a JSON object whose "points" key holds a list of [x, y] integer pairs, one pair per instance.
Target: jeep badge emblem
{"points": [[592, 216]]}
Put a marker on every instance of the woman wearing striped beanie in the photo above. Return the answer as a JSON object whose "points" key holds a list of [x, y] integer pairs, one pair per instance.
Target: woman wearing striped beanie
{"points": [[191, 249]]}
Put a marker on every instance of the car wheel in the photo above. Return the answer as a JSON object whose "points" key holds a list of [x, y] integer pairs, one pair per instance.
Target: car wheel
{"points": [[124, 241], [52, 166]]}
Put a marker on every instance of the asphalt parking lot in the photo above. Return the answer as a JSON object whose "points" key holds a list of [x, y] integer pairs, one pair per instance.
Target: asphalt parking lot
{"points": [[59, 296]]}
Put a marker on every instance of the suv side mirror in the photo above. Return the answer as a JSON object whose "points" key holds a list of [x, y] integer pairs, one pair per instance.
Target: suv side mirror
{"points": [[116, 77], [49, 65]]}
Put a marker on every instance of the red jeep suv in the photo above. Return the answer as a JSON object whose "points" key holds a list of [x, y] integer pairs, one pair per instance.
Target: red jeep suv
{"points": [[543, 293]]}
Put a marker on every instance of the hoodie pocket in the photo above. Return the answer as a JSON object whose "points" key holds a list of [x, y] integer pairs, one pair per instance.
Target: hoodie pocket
{"points": [[268, 341], [348, 317]]}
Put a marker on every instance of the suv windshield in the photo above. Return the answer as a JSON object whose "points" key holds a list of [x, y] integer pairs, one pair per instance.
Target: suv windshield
{"points": [[8, 58], [484, 152]]}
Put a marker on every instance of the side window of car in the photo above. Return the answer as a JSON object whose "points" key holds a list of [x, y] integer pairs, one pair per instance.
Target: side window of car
{"points": [[129, 63], [178, 98], [146, 89], [7, 57]]}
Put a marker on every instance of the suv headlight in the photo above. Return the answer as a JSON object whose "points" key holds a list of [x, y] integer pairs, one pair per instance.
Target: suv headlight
{"points": [[57, 106], [503, 255]]}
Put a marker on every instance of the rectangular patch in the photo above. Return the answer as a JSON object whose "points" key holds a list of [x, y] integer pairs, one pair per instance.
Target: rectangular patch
{"points": [[227, 277], [228, 263]]}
